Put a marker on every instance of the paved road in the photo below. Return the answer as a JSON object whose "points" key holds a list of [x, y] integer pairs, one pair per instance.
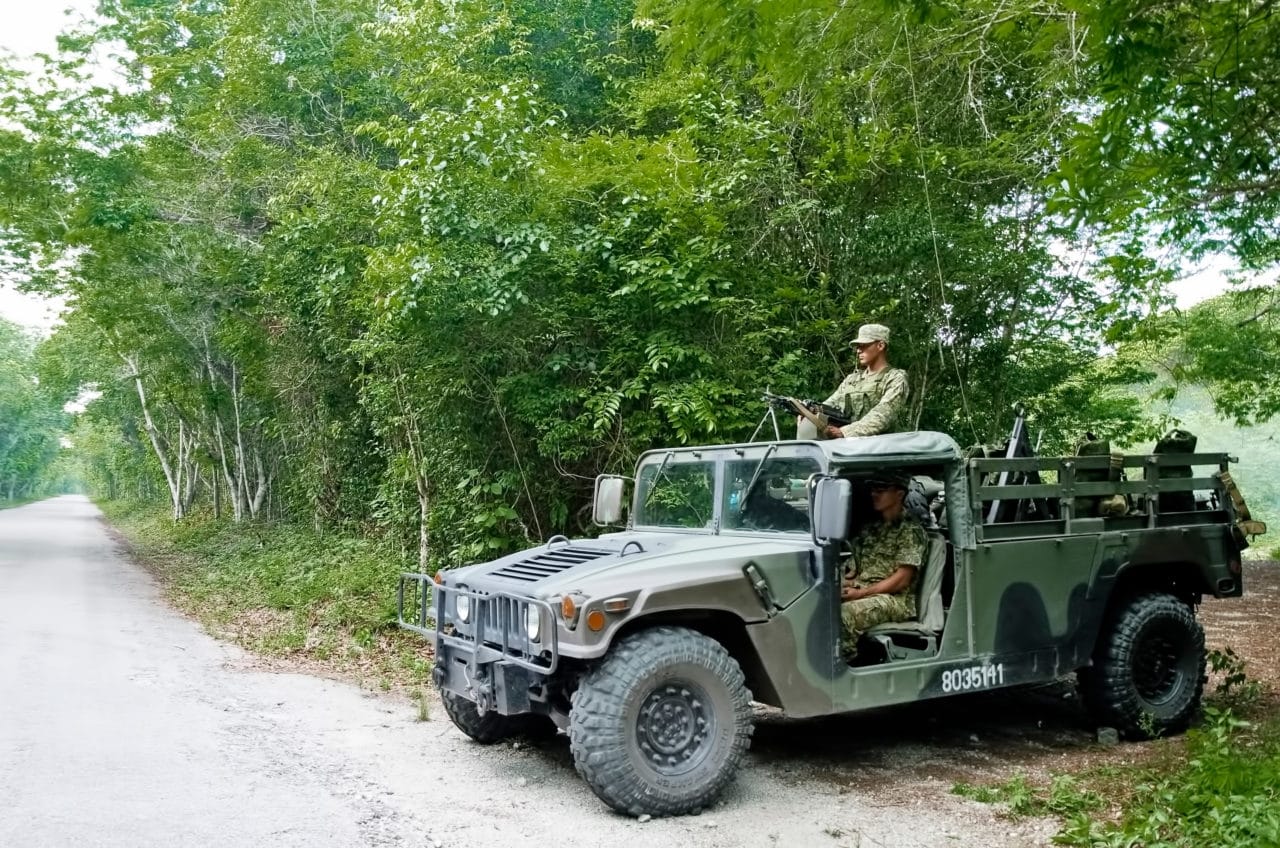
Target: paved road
{"points": [[120, 725], [123, 724]]}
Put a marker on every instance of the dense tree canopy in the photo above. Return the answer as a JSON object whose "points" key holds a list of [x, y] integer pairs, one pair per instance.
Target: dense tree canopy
{"points": [[31, 421], [1177, 153], [430, 267]]}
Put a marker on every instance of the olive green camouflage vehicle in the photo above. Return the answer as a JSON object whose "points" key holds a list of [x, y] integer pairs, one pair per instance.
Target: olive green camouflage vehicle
{"points": [[648, 646]]}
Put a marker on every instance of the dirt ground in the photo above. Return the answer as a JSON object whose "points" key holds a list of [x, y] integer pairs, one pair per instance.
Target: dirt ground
{"points": [[874, 778], [904, 762], [912, 756]]}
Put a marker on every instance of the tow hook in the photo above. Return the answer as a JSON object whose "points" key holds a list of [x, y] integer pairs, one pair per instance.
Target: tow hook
{"points": [[481, 691], [483, 695]]}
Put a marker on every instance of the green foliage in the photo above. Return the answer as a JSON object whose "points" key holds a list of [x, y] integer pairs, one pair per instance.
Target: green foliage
{"points": [[1224, 794], [1183, 125], [340, 581], [421, 271], [1176, 150], [1231, 345], [1064, 797], [1174, 397], [1222, 790], [1234, 690], [31, 423]]}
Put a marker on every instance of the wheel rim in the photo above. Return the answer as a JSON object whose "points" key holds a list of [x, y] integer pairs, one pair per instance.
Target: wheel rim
{"points": [[674, 727], [1158, 663]]}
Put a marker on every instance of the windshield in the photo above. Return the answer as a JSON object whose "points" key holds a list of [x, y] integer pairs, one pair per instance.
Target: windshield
{"points": [[778, 502], [675, 492]]}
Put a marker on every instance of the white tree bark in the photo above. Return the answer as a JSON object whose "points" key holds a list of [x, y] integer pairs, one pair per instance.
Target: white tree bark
{"points": [[158, 442]]}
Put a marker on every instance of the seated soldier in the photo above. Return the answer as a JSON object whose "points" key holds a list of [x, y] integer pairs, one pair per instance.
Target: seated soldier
{"points": [[880, 578], [765, 508]]}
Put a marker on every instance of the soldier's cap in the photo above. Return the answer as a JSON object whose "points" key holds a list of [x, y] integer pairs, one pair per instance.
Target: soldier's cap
{"points": [[890, 478], [869, 333]]}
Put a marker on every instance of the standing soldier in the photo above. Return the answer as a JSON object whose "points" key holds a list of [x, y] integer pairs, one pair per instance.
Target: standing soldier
{"points": [[874, 397]]}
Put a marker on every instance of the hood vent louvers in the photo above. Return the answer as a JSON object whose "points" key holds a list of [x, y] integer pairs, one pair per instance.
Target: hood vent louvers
{"points": [[548, 562]]}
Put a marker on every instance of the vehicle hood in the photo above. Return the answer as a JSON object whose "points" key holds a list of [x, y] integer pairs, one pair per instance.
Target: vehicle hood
{"points": [[616, 559]]}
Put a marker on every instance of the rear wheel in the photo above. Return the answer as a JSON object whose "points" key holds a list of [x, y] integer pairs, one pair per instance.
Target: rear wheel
{"points": [[662, 724], [1148, 671]]}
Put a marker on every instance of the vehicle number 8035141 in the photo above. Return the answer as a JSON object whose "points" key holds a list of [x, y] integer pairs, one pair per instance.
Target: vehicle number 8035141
{"points": [[973, 677]]}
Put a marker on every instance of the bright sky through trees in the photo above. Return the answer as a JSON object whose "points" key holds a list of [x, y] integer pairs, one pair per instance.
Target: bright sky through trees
{"points": [[31, 28]]}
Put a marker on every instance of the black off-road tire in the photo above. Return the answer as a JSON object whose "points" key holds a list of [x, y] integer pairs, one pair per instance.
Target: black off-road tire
{"points": [[1148, 669], [484, 728], [662, 724]]}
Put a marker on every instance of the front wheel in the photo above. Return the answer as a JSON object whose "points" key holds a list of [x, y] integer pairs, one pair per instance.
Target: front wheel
{"points": [[490, 727], [1148, 671], [662, 724]]}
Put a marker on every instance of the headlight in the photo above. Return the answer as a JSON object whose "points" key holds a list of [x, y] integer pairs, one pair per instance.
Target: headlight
{"points": [[463, 607], [532, 623]]}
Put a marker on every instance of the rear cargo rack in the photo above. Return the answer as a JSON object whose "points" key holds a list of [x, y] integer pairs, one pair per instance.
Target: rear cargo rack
{"points": [[1062, 496]]}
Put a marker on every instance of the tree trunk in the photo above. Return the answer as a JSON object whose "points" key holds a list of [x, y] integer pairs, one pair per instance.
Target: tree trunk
{"points": [[234, 489], [421, 482], [263, 485], [424, 512], [158, 442], [242, 481]]}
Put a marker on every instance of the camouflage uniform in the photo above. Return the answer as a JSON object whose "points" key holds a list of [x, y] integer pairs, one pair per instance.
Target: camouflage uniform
{"points": [[877, 553], [877, 402]]}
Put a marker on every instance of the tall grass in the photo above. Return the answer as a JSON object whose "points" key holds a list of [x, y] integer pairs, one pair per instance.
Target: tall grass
{"points": [[1220, 786], [282, 590]]}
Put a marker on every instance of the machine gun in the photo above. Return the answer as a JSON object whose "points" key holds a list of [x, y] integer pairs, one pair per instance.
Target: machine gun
{"points": [[1022, 509], [836, 417]]}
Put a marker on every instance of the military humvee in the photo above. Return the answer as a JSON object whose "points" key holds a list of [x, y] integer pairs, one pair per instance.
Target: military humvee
{"points": [[648, 646]]}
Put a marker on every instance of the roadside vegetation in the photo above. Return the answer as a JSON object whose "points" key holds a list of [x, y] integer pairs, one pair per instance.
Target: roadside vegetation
{"points": [[31, 424], [1217, 785], [322, 600]]}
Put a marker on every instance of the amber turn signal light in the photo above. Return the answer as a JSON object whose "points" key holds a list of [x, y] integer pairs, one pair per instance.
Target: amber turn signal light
{"points": [[595, 620], [568, 609]]}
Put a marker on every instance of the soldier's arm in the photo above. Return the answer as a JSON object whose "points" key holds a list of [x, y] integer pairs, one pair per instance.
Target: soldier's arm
{"points": [[898, 581], [879, 418], [908, 556]]}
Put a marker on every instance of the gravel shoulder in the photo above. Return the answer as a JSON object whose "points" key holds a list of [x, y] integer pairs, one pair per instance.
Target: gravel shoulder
{"points": [[123, 704]]}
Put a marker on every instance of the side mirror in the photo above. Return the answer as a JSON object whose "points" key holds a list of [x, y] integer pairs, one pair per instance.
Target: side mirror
{"points": [[607, 502], [829, 507]]}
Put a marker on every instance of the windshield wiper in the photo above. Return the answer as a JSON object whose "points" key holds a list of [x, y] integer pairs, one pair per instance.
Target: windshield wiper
{"points": [[657, 475], [660, 474], [755, 475]]}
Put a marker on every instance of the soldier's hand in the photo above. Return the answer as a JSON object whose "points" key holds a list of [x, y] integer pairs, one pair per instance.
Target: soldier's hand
{"points": [[834, 432], [848, 593]]}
